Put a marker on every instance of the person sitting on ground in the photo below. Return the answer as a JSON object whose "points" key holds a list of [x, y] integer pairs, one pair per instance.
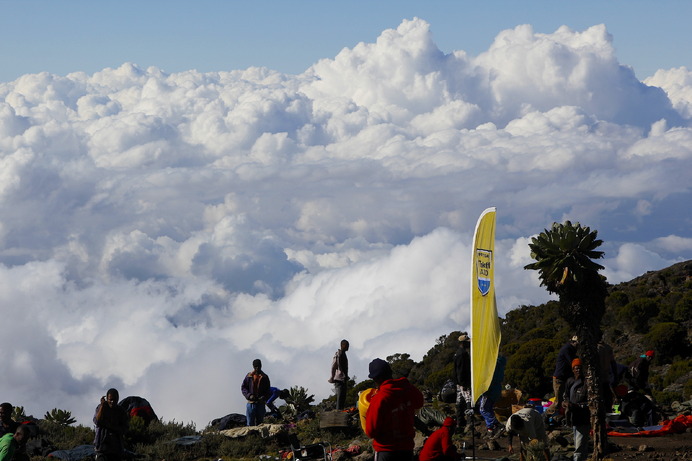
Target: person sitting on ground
{"points": [[439, 446], [528, 424], [7, 424], [275, 393], [10, 443], [111, 423]]}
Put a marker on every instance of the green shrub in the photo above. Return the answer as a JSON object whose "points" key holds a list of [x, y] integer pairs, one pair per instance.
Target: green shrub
{"points": [[529, 369], [65, 437], [683, 308], [637, 313], [617, 299], [668, 340], [677, 370], [436, 379], [687, 390], [666, 397]]}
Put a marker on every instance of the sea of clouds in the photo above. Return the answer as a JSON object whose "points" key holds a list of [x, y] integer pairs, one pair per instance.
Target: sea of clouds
{"points": [[159, 231]]}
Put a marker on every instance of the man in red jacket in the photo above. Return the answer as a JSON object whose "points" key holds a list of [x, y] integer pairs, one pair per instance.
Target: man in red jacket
{"points": [[439, 446], [389, 421]]}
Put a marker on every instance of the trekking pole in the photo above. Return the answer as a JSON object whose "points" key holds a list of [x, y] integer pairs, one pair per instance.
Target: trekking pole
{"points": [[469, 417]]}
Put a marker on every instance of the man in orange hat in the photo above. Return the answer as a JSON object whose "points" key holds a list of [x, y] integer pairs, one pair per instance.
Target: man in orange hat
{"points": [[577, 414]]}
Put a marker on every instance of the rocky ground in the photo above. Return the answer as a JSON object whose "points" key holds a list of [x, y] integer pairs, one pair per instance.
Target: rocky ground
{"points": [[676, 447]]}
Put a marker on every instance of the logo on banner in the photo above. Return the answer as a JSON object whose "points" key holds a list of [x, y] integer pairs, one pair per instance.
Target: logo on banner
{"points": [[484, 266]]}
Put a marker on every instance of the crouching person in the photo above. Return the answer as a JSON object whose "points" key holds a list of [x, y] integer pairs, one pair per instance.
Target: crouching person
{"points": [[439, 446], [528, 424]]}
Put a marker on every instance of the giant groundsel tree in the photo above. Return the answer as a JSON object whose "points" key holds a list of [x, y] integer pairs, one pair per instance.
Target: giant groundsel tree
{"points": [[564, 257]]}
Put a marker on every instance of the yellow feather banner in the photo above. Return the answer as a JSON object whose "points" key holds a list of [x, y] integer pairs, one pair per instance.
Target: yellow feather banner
{"points": [[485, 324]]}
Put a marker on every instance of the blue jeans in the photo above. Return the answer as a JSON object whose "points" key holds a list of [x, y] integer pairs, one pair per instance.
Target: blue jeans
{"points": [[254, 413], [488, 412], [581, 442]]}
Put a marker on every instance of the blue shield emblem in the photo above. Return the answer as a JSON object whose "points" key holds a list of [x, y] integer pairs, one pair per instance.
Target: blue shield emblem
{"points": [[484, 270]]}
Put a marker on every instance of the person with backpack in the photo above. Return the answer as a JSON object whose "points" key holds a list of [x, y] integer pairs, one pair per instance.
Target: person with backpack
{"points": [[339, 374], [111, 423], [390, 417]]}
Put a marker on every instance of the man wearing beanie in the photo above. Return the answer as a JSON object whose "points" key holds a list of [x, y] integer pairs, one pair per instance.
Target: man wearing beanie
{"points": [[255, 389], [389, 421]]}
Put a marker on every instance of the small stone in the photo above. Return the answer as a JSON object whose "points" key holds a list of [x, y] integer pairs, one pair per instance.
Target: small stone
{"points": [[644, 448]]}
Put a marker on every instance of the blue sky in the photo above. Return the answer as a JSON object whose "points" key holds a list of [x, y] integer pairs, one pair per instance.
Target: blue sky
{"points": [[289, 36]]}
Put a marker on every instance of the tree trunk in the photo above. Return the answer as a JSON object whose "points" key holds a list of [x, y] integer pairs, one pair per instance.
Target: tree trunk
{"points": [[588, 351]]}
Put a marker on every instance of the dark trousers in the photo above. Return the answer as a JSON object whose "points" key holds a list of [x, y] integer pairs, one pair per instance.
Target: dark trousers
{"points": [[340, 390], [402, 455]]}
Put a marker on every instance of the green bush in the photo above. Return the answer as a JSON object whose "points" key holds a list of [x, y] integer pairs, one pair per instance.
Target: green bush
{"points": [[666, 397], [617, 299], [436, 379], [529, 370], [687, 390], [637, 313], [683, 308], [668, 340], [65, 437], [677, 370]]}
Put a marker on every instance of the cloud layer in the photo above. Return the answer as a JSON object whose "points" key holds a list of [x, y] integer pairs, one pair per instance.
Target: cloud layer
{"points": [[159, 231]]}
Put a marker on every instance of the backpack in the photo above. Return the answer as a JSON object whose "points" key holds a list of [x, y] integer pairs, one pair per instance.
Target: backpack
{"points": [[448, 393]]}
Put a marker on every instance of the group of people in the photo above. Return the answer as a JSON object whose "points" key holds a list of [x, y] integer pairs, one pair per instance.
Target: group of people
{"points": [[569, 386], [13, 436]]}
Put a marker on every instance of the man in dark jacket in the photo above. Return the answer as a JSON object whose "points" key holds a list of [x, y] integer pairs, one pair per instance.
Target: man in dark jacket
{"points": [[255, 389], [638, 377], [390, 417], [462, 377], [563, 370], [111, 423]]}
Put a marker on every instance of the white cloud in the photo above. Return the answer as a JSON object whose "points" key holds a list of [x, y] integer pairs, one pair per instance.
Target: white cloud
{"points": [[159, 231]]}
